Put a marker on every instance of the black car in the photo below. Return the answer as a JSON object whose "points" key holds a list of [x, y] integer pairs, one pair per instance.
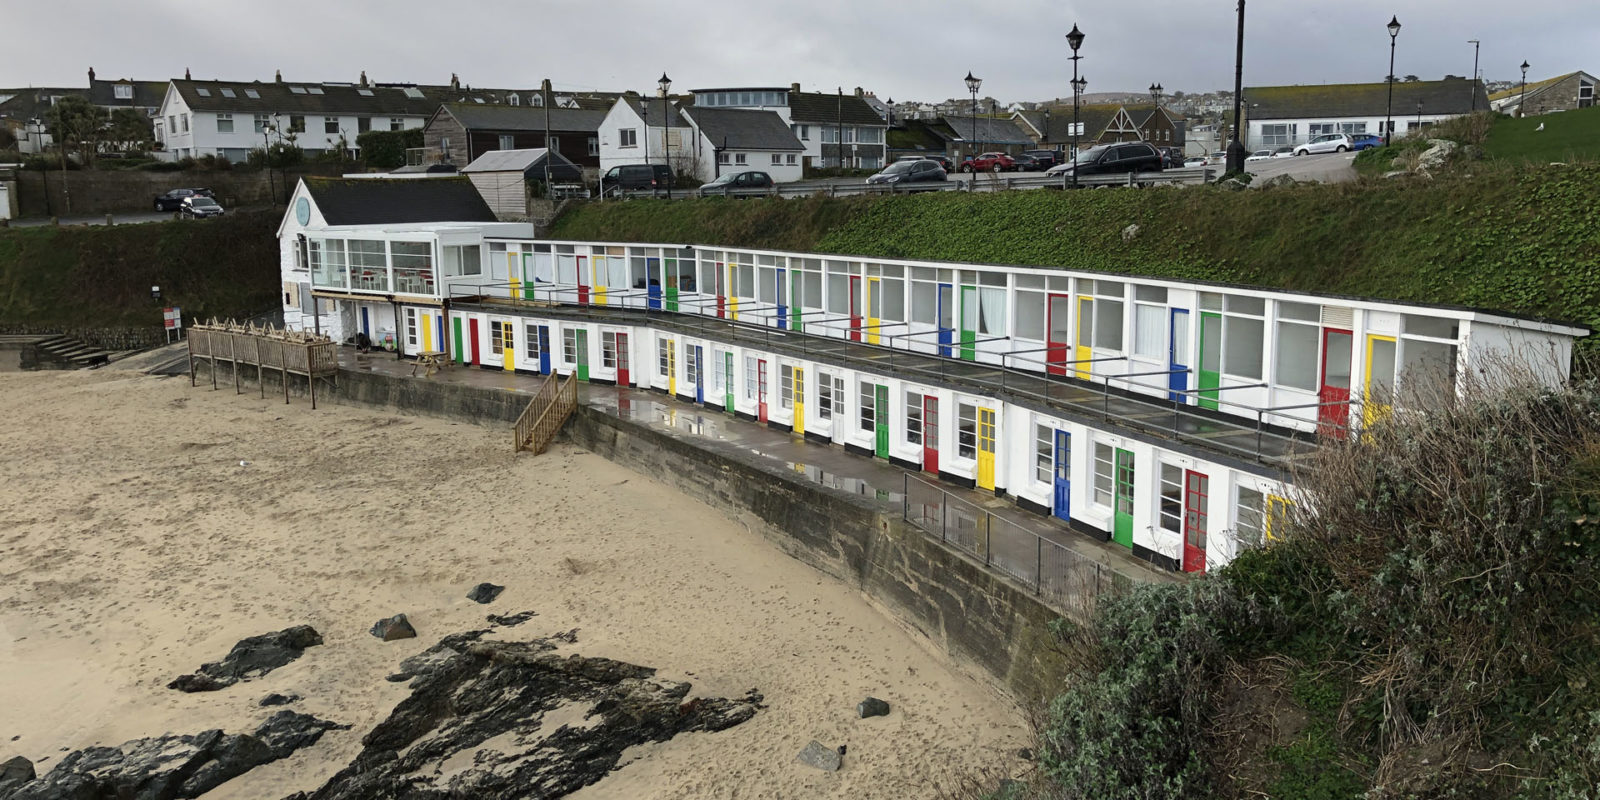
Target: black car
{"points": [[1109, 159], [636, 177], [1046, 158], [918, 171], [1171, 157], [942, 160], [173, 199], [753, 179], [197, 207], [1027, 163]]}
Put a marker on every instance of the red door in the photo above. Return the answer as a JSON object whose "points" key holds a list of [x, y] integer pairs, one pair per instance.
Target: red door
{"points": [[622, 360], [472, 326], [1196, 499], [583, 287], [1334, 416], [855, 308], [930, 434], [1059, 335], [761, 389], [722, 300]]}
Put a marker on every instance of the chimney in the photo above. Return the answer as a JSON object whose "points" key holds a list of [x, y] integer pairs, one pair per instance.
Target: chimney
{"points": [[794, 87], [186, 74], [455, 82], [91, 76], [277, 76], [859, 93], [363, 77]]}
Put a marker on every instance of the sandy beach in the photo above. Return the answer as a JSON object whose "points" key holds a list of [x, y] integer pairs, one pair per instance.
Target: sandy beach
{"points": [[134, 546]]}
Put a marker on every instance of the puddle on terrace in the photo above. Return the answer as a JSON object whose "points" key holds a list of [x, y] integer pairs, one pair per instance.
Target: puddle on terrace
{"points": [[716, 425]]}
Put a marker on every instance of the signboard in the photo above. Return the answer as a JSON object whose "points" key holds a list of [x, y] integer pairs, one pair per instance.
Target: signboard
{"points": [[172, 317]]}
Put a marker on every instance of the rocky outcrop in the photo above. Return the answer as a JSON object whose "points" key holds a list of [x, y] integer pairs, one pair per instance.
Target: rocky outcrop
{"points": [[485, 593], [15, 773], [250, 658], [514, 719], [171, 766]]}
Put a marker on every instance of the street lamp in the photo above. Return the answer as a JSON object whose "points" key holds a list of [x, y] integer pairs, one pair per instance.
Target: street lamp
{"points": [[1155, 96], [1524, 94], [666, 143], [1075, 41], [266, 159], [1236, 148], [1474, 43], [972, 86], [1388, 119]]}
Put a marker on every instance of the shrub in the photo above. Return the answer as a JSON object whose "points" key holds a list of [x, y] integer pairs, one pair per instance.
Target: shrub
{"points": [[387, 149]]}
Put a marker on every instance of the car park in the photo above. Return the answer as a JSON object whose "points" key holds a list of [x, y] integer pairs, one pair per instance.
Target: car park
{"points": [[751, 179], [1108, 159], [198, 207], [173, 199], [919, 171], [1326, 143], [989, 162]]}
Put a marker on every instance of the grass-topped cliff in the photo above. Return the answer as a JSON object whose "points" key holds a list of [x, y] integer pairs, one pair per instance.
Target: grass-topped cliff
{"points": [[1524, 240]]}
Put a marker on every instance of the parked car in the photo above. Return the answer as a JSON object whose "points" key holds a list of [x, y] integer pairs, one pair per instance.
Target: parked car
{"points": [[636, 177], [1027, 163], [1048, 158], [752, 179], [1326, 143], [173, 199], [1196, 161], [989, 162], [197, 207], [1171, 157], [918, 171], [1362, 141], [941, 159], [1259, 155], [1107, 159], [1283, 152]]}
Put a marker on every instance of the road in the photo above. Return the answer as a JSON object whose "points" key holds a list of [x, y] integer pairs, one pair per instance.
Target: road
{"points": [[1324, 168]]}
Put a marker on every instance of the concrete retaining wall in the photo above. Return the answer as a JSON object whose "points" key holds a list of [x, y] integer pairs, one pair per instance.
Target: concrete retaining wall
{"points": [[97, 192]]}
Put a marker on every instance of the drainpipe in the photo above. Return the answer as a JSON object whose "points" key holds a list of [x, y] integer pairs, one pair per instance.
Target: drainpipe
{"points": [[399, 338]]}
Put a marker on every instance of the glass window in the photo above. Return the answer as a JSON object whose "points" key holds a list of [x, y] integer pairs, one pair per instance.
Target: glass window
{"points": [[913, 418], [1149, 330], [608, 349], [1108, 324], [1171, 498], [569, 345], [1297, 355], [868, 414], [992, 311], [224, 123], [330, 124], [328, 263], [261, 121], [785, 386], [1436, 327], [1030, 316], [1307, 312], [1104, 474], [1249, 517], [1044, 453], [894, 300], [508, 142], [497, 342], [369, 264], [966, 430], [1242, 351], [413, 267], [825, 396], [750, 377]]}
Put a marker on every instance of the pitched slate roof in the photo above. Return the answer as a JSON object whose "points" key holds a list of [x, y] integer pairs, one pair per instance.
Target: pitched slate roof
{"points": [[652, 111], [146, 94], [832, 109], [368, 201], [1094, 117], [987, 130], [316, 98], [744, 129], [483, 117], [1334, 101]]}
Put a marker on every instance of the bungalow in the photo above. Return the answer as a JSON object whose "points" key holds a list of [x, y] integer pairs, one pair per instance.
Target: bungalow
{"points": [[1567, 92], [1277, 116]]}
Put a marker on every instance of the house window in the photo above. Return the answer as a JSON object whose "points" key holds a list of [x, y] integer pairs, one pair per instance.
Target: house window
{"points": [[967, 430], [203, 91], [184, 120], [1316, 129], [1299, 333], [1278, 134], [411, 327], [777, 160], [1104, 474], [330, 124], [224, 123], [750, 377], [785, 387], [261, 122], [514, 100], [172, 124], [1171, 499], [1044, 444], [1249, 517], [830, 394], [497, 340], [1353, 128], [739, 159], [913, 418], [1243, 332], [803, 131], [719, 373], [363, 124], [627, 137], [507, 142], [1150, 321], [790, 160], [569, 345], [252, 94], [397, 124], [594, 145], [554, 143], [722, 158], [123, 91], [608, 346], [297, 124], [531, 343], [867, 415], [1585, 94]]}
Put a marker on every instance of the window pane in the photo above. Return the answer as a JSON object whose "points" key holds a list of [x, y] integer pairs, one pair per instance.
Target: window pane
{"points": [[1030, 316], [1243, 344], [1108, 324], [1297, 356], [1431, 326], [1150, 331], [1103, 467]]}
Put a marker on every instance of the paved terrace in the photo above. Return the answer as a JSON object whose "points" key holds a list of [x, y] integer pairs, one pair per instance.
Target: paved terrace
{"points": [[1251, 444], [827, 465]]}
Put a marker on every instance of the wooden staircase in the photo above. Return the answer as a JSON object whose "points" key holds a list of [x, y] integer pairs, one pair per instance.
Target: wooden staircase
{"points": [[545, 414], [72, 352]]}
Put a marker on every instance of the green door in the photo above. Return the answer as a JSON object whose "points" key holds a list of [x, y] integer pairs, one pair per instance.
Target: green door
{"points": [[1122, 502], [529, 285], [969, 323], [582, 354], [672, 284], [1210, 358], [461, 351], [727, 382], [881, 412], [796, 322]]}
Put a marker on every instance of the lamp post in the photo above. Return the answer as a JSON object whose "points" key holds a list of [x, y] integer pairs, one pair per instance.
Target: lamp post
{"points": [[1235, 161], [1075, 41], [1474, 43], [1155, 96], [1388, 113], [266, 159], [972, 86], [1523, 95], [666, 143]]}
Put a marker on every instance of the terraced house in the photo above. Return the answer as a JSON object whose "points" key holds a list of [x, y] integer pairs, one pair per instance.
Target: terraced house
{"points": [[1161, 415]]}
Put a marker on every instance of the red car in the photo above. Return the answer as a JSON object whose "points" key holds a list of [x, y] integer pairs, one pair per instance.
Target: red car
{"points": [[989, 162]]}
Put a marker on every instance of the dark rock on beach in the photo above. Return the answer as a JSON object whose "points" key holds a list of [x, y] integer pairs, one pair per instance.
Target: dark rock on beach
{"points": [[485, 593], [395, 627], [250, 658]]}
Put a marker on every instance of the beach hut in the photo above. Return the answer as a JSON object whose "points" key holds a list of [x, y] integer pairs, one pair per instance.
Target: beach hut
{"points": [[506, 178]]}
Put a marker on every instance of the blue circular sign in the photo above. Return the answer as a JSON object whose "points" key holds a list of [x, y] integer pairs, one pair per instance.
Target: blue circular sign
{"points": [[302, 211]]}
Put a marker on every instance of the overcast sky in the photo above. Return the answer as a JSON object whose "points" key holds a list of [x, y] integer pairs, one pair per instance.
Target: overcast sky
{"points": [[899, 50]]}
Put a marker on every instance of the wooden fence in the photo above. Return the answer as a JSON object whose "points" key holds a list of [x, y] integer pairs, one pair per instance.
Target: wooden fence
{"points": [[265, 348], [545, 414]]}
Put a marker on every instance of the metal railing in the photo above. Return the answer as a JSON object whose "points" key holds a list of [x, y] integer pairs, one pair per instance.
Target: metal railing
{"points": [[1065, 579], [979, 182]]}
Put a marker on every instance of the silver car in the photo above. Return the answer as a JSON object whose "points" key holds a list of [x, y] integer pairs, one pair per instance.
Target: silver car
{"points": [[1326, 143]]}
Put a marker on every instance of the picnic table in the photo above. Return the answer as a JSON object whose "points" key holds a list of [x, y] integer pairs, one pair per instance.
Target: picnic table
{"points": [[433, 360]]}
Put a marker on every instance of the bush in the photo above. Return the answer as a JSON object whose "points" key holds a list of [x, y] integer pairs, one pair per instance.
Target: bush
{"points": [[179, 165], [387, 149]]}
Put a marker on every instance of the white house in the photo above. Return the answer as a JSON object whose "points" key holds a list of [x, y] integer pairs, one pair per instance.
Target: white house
{"points": [[645, 131], [820, 120], [732, 140], [1288, 115]]}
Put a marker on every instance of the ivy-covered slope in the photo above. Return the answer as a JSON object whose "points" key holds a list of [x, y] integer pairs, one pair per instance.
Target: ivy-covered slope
{"points": [[1521, 240]]}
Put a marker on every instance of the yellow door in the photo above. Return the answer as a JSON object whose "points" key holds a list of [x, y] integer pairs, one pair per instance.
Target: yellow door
{"points": [[874, 310], [1378, 399], [426, 342], [986, 448], [1277, 513], [1081, 353], [514, 275], [733, 292], [507, 347], [799, 401], [672, 368], [599, 284]]}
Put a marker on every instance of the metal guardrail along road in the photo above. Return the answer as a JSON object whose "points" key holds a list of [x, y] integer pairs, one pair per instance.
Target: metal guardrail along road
{"points": [[979, 182]]}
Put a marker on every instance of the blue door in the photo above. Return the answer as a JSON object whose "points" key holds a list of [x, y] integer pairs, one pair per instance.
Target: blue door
{"points": [[438, 332], [947, 322], [544, 349], [366, 323], [653, 280], [697, 365], [783, 307], [1063, 504], [1178, 356]]}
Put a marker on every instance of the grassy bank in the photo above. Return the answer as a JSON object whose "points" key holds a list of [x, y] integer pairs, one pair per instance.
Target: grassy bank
{"points": [[1521, 240], [100, 276]]}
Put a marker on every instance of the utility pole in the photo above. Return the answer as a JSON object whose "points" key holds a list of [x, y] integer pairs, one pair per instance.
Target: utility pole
{"points": [[839, 127], [1474, 43], [1235, 160]]}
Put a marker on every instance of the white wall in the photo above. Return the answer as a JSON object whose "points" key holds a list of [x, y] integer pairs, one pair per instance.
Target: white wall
{"points": [[1405, 120]]}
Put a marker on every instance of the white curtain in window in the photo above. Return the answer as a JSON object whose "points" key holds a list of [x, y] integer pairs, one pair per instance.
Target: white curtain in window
{"points": [[993, 305], [1150, 331], [544, 268]]}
